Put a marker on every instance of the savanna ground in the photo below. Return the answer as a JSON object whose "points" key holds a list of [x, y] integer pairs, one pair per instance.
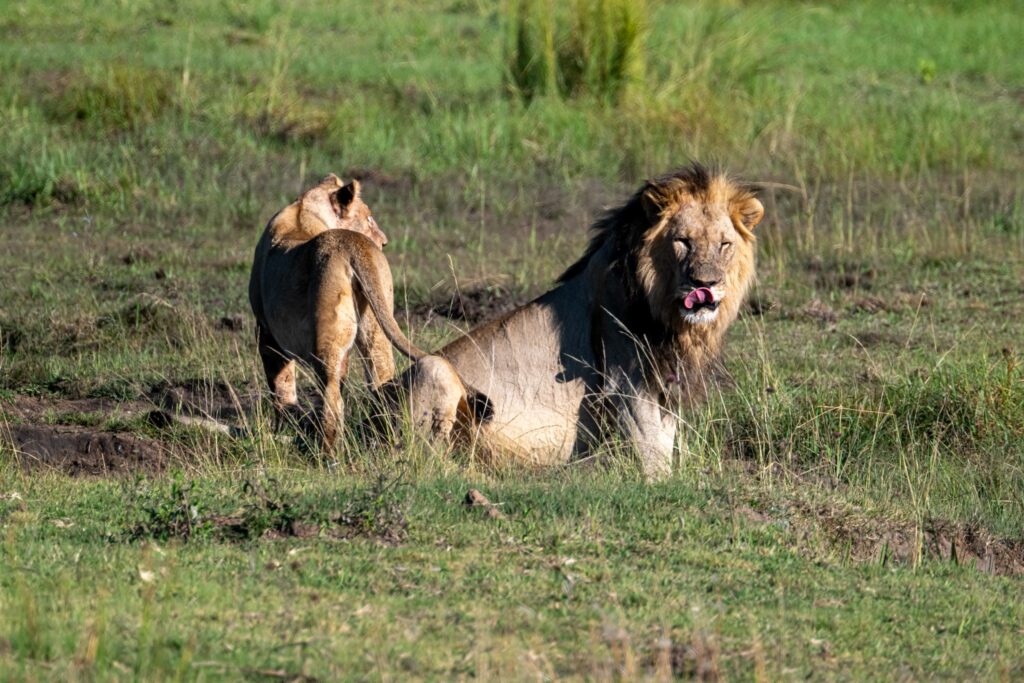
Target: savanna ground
{"points": [[849, 505]]}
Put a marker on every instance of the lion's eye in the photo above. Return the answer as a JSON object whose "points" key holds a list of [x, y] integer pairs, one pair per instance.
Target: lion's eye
{"points": [[726, 245], [684, 241]]}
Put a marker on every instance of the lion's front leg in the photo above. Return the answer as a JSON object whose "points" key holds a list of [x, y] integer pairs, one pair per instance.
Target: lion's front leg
{"points": [[652, 432]]}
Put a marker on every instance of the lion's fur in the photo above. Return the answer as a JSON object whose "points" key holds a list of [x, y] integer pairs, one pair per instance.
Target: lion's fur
{"points": [[319, 285], [610, 349]]}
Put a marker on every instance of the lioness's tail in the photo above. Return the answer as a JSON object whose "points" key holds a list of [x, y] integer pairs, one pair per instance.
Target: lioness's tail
{"points": [[374, 277]]}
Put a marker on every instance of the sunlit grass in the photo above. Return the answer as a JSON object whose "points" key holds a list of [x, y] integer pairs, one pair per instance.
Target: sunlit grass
{"points": [[876, 396]]}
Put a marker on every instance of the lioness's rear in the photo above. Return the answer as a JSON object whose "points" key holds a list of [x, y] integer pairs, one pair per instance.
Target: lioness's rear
{"points": [[320, 284]]}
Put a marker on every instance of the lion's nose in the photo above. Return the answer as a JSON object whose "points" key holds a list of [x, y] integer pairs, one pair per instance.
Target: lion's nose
{"points": [[698, 282]]}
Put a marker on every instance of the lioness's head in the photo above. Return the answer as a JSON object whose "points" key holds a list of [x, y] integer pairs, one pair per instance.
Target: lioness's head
{"points": [[695, 259], [334, 205]]}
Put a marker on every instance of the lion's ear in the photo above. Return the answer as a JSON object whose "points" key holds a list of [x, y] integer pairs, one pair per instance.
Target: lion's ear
{"points": [[651, 203], [658, 196], [747, 213], [345, 197]]}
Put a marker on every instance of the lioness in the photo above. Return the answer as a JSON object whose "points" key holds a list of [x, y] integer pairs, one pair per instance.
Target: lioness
{"points": [[626, 338], [317, 272]]}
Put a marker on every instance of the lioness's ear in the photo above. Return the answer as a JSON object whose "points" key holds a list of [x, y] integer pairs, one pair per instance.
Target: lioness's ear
{"points": [[331, 180], [345, 197], [746, 214]]}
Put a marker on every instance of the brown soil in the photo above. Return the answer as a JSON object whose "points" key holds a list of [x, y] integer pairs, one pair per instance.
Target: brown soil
{"points": [[68, 434], [205, 398], [35, 409], [880, 540], [864, 537], [472, 305], [81, 451], [73, 448]]}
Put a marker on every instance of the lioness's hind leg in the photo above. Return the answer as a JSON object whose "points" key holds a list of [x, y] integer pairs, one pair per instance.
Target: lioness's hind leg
{"points": [[374, 346], [333, 348], [330, 376], [280, 371], [436, 397]]}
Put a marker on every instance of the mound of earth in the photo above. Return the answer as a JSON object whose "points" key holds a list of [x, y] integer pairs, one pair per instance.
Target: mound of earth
{"points": [[84, 451], [472, 305], [79, 437]]}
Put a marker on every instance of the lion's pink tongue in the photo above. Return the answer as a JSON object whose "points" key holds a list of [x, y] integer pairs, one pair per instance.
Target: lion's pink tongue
{"points": [[701, 295]]}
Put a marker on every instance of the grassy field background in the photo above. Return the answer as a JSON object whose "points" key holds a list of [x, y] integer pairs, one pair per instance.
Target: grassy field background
{"points": [[848, 506]]}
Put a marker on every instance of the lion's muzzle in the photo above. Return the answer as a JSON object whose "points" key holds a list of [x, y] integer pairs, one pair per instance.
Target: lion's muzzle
{"points": [[699, 298]]}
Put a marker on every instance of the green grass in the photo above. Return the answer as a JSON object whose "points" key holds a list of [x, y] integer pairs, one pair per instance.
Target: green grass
{"points": [[593, 48], [876, 406], [586, 577]]}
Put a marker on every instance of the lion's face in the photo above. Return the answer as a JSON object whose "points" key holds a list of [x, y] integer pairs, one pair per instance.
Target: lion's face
{"points": [[698, 258]]}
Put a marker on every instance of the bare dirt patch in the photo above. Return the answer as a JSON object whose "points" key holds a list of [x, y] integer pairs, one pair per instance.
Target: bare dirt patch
{"points": [[91, 437], [211, 399], [473, 305], [74, 436], [49, 409], [78, 451], [865, 538]]}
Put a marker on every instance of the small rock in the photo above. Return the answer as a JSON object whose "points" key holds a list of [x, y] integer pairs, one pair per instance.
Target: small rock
{"points": [[475, 499]]}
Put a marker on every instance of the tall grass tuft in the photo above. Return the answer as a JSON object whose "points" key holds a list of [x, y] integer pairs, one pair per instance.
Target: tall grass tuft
{"points": [[119, 96], [587, 47]]}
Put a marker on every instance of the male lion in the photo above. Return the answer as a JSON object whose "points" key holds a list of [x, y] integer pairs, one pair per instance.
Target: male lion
{"points": [[626, 338], [318, 271]]}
